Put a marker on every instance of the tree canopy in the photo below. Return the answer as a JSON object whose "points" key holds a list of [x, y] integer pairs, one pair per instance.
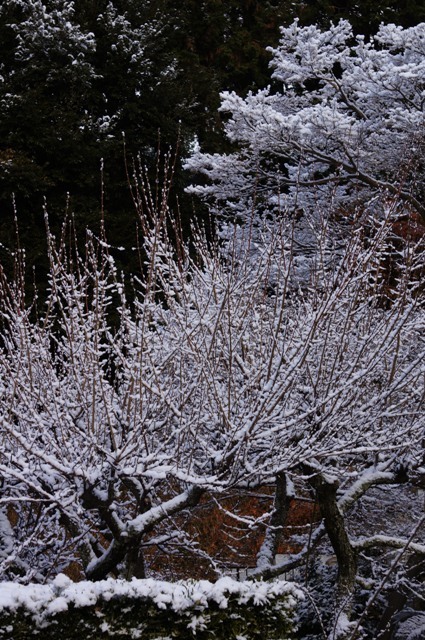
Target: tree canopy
{"points": [[344, 121]]}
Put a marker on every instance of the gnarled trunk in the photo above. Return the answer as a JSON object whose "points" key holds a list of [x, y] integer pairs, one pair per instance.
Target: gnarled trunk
{"points": [[326, 493]]}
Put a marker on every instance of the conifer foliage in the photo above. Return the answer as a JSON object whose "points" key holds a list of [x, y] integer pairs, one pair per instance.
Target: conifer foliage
{"points": [[345, 121]]}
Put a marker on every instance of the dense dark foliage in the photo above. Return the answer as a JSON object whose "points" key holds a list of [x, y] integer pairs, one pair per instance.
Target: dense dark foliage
{"points": [[76, 78]]}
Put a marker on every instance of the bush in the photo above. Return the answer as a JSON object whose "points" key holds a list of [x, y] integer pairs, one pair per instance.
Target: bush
{"points": [[148, 609]]}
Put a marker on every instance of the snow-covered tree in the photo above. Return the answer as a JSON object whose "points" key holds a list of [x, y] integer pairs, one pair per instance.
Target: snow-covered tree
{"points": [[336, 145], [344, 120], [225, 372]]}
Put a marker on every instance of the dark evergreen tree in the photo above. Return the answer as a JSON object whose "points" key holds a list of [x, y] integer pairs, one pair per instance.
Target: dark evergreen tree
{"points": [[364, 15], [75, 75]]}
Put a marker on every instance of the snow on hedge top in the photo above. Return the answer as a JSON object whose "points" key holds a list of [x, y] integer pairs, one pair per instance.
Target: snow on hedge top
{"points": [[46, 600]]}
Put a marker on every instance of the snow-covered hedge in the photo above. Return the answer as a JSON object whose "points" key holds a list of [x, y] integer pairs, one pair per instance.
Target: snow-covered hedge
{"points": [[148, 609]]}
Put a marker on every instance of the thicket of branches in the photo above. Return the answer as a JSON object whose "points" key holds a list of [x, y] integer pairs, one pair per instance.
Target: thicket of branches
{"points": [[236, 364]]}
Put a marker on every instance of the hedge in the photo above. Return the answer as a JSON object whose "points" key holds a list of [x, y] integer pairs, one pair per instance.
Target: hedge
{"points": [[148, 610]]}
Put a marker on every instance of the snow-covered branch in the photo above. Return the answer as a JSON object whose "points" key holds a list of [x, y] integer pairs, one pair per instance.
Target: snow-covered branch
{"points": [[343, 122], [389, 541], [235, 363]]}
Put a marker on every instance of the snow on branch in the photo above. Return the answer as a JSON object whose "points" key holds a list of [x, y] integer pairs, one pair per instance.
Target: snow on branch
{"points": [[343, 121], [389, 541]]}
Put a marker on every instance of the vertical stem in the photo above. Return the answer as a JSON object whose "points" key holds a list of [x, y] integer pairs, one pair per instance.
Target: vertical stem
{"points": [[335, 528], [282, 502]]}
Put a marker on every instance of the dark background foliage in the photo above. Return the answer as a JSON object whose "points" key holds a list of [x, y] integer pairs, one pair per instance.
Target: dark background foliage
{"points": [[155, 69]]}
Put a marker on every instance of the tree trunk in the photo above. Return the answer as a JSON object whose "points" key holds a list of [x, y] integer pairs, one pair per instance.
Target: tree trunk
{"points": [[282, 501], [335, 528], [125, 545], [135, 561]]}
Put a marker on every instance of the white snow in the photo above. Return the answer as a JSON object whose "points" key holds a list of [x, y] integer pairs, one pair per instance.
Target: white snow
{"points": [[46, 600]]}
